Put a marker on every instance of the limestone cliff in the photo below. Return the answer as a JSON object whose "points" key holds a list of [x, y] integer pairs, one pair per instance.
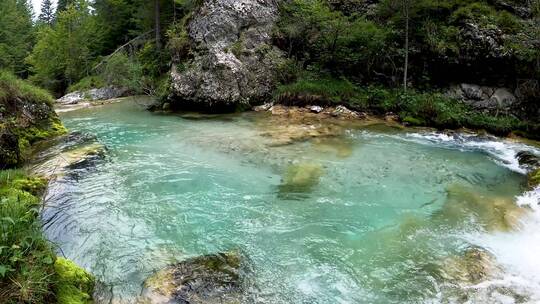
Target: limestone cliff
{"points": [[233, 61]]}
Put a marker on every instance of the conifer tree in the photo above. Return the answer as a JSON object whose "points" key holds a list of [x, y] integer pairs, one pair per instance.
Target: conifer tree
{"points": [[47, 12]]}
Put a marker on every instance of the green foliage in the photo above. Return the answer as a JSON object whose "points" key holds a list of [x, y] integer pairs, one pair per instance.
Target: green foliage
{"points": [[87, 83], [74, 285], [122, 71], [16, 35], [13, 88], [29, 270], [312, 32], [64, 53], [47, 13], [26, 259]]}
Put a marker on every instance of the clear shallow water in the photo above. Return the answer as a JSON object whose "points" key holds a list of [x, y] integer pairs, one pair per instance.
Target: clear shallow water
{"points": [[389, 213]]}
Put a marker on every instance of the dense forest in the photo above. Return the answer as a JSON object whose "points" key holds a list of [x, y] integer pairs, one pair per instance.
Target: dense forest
{"points": [[379, 56], [446, 64]]}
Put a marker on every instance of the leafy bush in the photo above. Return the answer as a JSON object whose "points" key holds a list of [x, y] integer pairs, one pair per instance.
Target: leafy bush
{"points": [[415, 108], [87, 83]]}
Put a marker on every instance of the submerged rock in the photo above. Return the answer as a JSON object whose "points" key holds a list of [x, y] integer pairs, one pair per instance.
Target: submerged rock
{"points": [[234, 60], [209, 279], [472, 267], [301, 178], [67, 153], [493, 213]]}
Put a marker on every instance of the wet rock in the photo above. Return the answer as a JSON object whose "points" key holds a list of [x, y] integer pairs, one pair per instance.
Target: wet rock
{"points": [[316, 109], [528, 159], [301, 178], [344, 112], [263, 108], [166, 106], [235, 62], [472, 267], [105, 93], [209, 279], [67, 154], [491, 212]]}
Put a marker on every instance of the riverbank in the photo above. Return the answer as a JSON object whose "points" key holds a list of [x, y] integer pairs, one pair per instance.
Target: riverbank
{"points": [[30, 271], [412, 108]]}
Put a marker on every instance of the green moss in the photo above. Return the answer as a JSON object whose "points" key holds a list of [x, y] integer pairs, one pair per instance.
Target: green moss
{"points": [[413, 121], [74, 285], [534, 178]]}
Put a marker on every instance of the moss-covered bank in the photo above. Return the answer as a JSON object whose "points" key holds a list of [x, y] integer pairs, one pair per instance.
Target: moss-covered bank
{"points": [[30, 272], [26, 116]]}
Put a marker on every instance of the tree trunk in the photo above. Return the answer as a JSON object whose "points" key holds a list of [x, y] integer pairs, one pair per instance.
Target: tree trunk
{"points": [[406, 65], [157, 24]]}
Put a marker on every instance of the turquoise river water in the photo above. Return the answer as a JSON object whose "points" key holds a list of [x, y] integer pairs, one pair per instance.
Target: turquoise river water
{"points": [[381, 215]]}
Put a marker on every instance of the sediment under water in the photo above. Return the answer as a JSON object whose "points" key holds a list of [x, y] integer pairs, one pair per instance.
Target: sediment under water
{"points": [[367, 214]]}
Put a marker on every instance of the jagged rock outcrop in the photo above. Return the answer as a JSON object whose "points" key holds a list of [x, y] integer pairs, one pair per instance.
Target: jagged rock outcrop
{"points": [[485, 98], [93, 95], [234, 62]]}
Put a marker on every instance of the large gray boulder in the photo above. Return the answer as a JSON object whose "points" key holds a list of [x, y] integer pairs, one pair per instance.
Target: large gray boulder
{"points": [[234, 62]]}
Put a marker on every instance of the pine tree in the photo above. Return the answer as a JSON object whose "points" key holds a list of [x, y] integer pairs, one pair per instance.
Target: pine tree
{"points": [[62, 5], [47, 12], [16, 35]]}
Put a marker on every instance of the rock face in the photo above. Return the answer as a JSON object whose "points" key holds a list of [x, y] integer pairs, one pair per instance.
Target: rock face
{"points": [[234, 62], [484, 98], [209, 279], [25, 118], [93, 94]]}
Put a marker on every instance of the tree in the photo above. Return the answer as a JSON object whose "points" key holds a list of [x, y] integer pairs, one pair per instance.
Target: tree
{"points": [[406, 6], [16, 35], [47, 13], [157, 23], [64, 53], [63, 5]]}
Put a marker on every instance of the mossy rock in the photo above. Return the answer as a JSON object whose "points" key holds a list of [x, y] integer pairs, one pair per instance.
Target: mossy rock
{"points": [[208, 279], [472, 267], [301, 178], [74, 284], [494, 213], [534, 178]]}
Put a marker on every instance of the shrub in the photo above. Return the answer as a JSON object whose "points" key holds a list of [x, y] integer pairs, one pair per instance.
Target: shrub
{"points": [[87, 83]]}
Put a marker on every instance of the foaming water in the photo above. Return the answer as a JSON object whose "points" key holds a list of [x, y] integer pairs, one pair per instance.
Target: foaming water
{"points": [[371, 214]]}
